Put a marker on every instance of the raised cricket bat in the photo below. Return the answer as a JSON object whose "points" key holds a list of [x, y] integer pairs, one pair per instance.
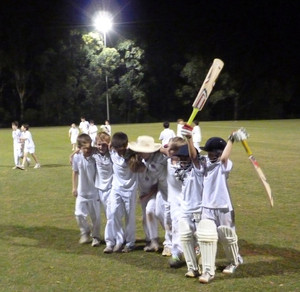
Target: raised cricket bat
{"points": [[259, 171], [206, 88]]}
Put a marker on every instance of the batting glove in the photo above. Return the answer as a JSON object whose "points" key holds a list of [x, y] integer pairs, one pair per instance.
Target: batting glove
{"points": [[239, 135], [186, 131]]}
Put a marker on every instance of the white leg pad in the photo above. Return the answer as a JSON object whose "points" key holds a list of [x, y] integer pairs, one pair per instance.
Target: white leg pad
{"points": [[207, 236], [229, 241], [188, 245]]}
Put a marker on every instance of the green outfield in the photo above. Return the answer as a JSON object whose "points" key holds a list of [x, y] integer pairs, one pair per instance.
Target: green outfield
{"points": [[39, 248]]}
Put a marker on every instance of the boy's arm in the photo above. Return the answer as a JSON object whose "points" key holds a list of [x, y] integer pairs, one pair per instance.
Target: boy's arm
{"points": [[227, 151], [237, 136], [72, 155], [74, 183], [186, 132]]}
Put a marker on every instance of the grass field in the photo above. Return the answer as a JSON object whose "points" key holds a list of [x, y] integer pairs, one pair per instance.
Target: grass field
{"points": [[39, 248]]}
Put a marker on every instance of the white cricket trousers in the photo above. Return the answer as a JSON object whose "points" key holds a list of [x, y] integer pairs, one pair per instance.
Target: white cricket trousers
{"points": [[122, 204], [88, 207]]}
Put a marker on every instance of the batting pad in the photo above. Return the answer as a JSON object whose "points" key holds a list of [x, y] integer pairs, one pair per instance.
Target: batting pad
{"points": [[188, 245], [207, 238], [229, 241]]}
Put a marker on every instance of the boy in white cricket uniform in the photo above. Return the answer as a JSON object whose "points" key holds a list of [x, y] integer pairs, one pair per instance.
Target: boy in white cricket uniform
{"points": [[191, 176], [85, 191], [104, 173], [29, 147], [166, 134], [122, 199], [17, 144], [174, 200], [84, 126], [73, 134], [217, 219], [93, 130], [154, 175]]}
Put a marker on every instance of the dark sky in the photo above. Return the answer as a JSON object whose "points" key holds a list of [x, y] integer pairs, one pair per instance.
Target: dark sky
{"points": [[259, 31]]}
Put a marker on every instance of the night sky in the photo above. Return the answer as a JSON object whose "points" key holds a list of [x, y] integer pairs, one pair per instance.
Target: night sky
{"points": [[262, 33], [266, 31]]}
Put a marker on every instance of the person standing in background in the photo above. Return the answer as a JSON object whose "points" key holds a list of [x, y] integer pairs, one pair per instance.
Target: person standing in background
{"points": [[73, 134], [93, 130], [84, 126]]}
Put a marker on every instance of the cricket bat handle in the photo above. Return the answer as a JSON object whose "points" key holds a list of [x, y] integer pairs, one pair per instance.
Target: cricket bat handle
{"points": [[193, 115], [247, 148]]}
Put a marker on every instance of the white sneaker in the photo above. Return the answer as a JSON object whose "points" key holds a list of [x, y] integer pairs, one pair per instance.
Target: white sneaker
{"points": [[153, 246], [95, 242], [230, 269], [37, 165], [20, 167], [118, 248], [166, 251], [108, 249], [85, 239], [206, 277], [192, 274]]}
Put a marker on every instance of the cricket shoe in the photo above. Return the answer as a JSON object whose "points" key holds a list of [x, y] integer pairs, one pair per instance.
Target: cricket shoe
{"points": [[95, 242], [166, 251], [153, 246], [230, 269], [20, 167], [127, 249], [118, 248], [192, 274], [37, 165], [85, 239], [176, 262], [108, 249], [206, 277]]}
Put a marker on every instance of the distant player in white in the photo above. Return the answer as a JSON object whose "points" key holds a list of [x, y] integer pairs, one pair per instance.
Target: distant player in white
{"points": [[93, 130], [29, 147], [180, 124], [85, 191], [106, 127], [122, 199], [17, 144], [73, 134], [166, 134], [196, 136], [84, 126]]}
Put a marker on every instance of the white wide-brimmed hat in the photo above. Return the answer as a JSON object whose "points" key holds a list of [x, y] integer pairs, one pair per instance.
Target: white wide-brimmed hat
{"points": [[144, 144]]}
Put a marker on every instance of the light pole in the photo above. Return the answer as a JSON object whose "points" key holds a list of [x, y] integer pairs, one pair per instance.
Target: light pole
{"points": [[103, 23]]}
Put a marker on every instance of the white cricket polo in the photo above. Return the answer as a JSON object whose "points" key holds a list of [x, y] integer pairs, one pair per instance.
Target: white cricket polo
{"points": [[28, 142], [192, 191], [86, 168], [123, 178], [104, 174], [215, 190]]}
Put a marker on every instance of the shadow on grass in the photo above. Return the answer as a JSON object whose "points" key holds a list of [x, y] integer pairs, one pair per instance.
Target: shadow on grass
{"points": [[274, 260]]}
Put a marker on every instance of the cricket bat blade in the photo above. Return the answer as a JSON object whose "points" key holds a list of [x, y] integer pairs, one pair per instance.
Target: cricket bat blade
{"points": [[259, 172], [206, 88]]}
